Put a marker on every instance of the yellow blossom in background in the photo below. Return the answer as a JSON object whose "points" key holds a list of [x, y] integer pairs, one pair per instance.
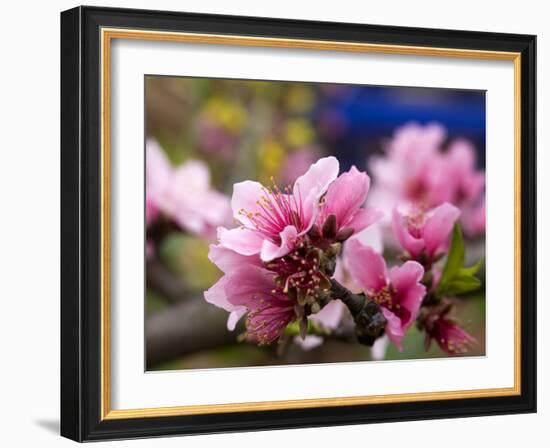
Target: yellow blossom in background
{"points": [[272, 155], [298, 132], [230, 114], [299, 99]]}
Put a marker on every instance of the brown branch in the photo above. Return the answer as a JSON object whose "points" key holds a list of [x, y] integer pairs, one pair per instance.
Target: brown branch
{"points": [[187, 327]]}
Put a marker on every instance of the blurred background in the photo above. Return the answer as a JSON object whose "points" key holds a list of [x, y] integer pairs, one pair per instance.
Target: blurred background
{"points": [[224, 131]]}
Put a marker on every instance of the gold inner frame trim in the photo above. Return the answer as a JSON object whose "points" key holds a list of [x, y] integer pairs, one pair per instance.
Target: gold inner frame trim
{"points": [[107, 35]]}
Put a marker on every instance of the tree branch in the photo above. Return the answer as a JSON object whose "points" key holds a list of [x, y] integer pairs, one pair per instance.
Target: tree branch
{"points": [[187, 327], [369, 320]]}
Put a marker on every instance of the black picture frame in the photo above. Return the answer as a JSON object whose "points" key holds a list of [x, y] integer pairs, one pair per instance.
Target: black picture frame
{"points": [[81, 224]]}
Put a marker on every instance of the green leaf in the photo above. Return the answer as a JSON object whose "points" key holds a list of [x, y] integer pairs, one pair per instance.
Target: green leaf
{"points": [[461, 285], [457, 279], [473, 270], [455, 258]]}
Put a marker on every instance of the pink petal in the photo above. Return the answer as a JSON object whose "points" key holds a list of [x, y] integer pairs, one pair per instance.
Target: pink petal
{"points": [[234, 317], [216, 295], [158, 173], [248, 285], [346, 195], [201, 212], [365, 217], [227, 260], [406, 275], [408, 242], [438, 227], [330, 316], [270, 251], [245, 199], [242, 241], [462, 155], [192, 176], [317, 178], [367, 267], [409, 292], [394, 329], [309, 187]]}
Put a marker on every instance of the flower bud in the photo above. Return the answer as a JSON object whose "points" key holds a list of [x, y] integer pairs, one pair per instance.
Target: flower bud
{"points": [[330, 227]]}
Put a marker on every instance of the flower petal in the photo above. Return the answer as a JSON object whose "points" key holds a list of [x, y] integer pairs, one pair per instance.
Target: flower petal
{"points": [[409, 293], [216, 295], [227, 260], [193, 177], [394, 329], [158, 173], [367, 267], [248, 285], [309, 188], [317, 178], [234, 317], [245, 200], [270, 251], [438, 227], [364, 217], [406, 275], [331, 314], [346, 195], [242, 241], [408, 242]]}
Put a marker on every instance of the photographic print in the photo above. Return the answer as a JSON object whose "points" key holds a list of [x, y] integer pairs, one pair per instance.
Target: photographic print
{"points": [[343, 212], [300, 223]]}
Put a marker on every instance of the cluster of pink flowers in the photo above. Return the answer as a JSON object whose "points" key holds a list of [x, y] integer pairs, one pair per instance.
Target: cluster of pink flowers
{"points": [[281, 264], [182, 194], [416, 169], [275, 261]]}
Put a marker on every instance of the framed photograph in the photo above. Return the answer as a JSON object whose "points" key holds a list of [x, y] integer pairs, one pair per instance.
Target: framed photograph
{"points": [[275, 224]]}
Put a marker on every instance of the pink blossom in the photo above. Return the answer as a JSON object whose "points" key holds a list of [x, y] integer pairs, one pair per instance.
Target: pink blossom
{"points": [[158, 175], [416, 169], [344, 199], [398, 292], [184, 193], [227, 261], [468, 183], [450, 337], [422, 232], [273, 220], [269, 310], [413, 168]]}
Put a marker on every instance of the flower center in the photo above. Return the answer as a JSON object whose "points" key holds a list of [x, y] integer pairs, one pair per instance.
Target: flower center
{"points": [[265, 323], [277, 209], [415, 189], [300, 275], [415, 220], [384, 297]]}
